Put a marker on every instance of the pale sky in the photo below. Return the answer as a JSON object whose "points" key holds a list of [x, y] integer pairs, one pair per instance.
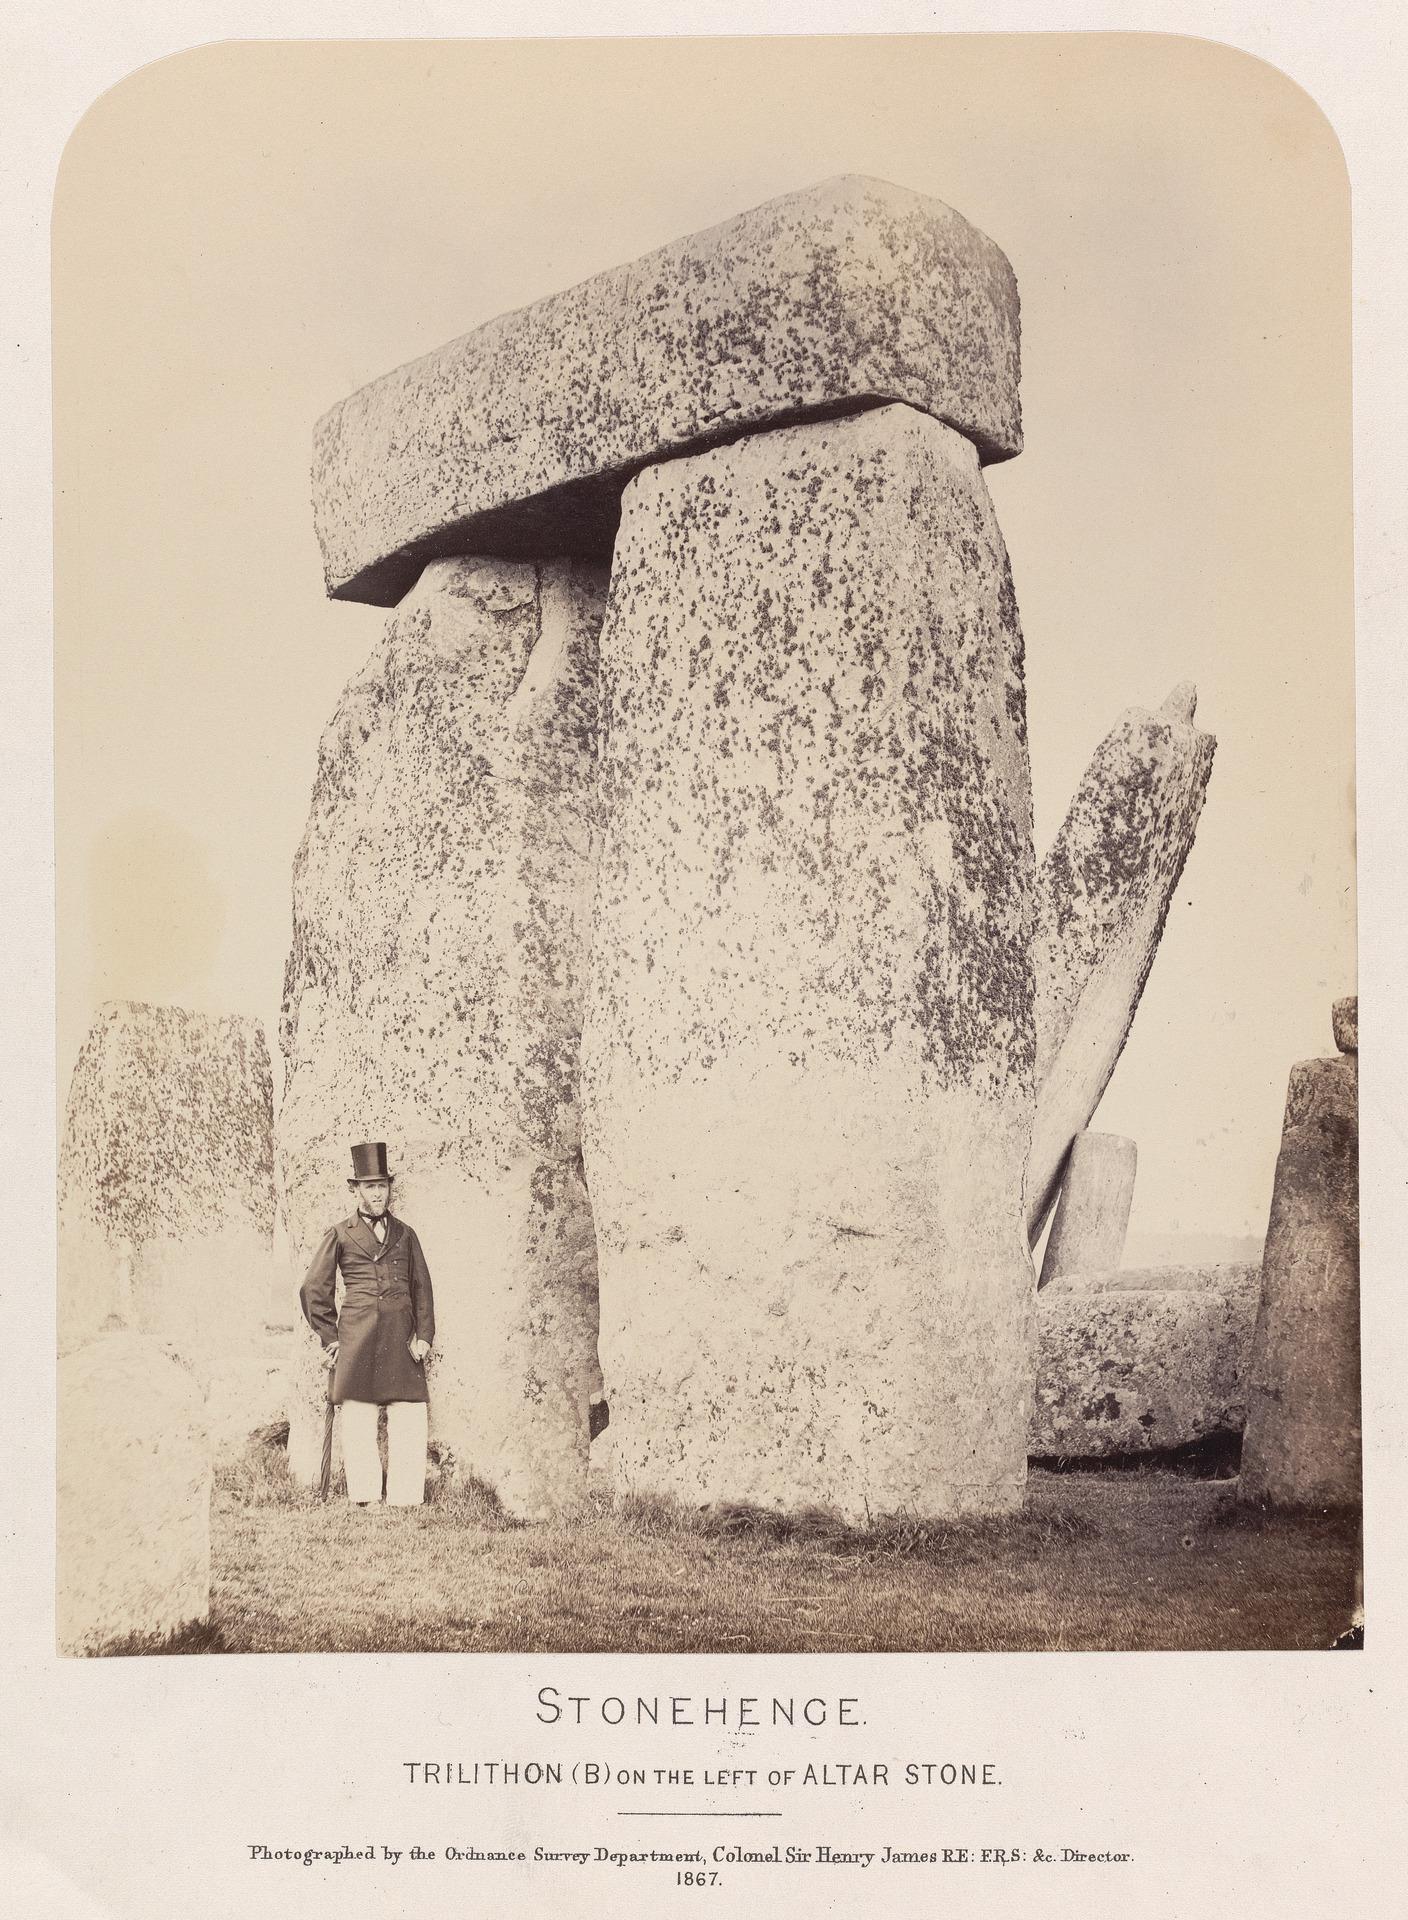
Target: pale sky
{"points": [[246, 233]]}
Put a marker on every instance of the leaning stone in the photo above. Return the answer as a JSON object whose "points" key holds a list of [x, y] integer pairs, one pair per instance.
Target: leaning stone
{"points": [[1092, 1214], [1303, 1421], [1346, 1024], [1135, 1370], [133, 1495], [518, 438], [1103, 894], [433, 995], [166, 1196], [807, 1055]]}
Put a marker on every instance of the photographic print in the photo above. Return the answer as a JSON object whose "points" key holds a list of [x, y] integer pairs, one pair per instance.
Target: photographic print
{"points": [[705, 860]]}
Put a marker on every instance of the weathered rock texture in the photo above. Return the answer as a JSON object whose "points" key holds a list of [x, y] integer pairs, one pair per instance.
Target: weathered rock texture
{"points": [[433, 995], [1134, 1368], [166, 1197], [1239, 1277], [1092, 1214], [1103, 894], [808, 1050], [133, 1494], [1303, 1436], [518, 438], [1345, 1019]]}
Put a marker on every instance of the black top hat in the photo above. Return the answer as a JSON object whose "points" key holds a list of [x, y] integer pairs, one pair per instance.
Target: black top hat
{"points": [[369, 1162]]}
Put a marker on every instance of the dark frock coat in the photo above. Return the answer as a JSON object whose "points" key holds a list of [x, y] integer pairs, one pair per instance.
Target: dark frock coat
{"points": [[387, 1302]]}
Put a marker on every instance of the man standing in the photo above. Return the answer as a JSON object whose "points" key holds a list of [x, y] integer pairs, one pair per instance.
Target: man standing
{"points": [[377, 1345]]}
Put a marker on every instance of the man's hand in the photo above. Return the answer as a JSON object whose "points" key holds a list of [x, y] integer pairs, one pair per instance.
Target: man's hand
{"points": [[418, 1349], [330, 1354]]}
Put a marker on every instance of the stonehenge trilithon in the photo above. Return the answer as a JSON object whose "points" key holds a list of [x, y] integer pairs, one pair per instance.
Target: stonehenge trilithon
{"points": [[1103, 893], [133, 1494], [1303, 1437], [433, 994], [821, 991], [166, 1198], [1092, 1213], [808, 1049]]}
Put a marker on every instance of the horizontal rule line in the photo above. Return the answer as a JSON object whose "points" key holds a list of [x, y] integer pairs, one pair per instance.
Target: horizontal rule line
{"points": [[692, 1813]]}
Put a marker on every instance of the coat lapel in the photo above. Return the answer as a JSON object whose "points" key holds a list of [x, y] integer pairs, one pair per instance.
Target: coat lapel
{"points": [[363, 1235]]}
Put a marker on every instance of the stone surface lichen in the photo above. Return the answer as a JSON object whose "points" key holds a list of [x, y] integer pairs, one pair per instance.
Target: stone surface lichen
{"points": [[1103, 894], [518, 438], [1303, 1444], [808, 1050], [1139, 1362], [433, 1000], [166, 1197]]}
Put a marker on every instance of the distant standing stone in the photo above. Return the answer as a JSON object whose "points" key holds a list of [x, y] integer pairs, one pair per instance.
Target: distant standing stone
{"points": [[1103, 895], [808, 1048], [166, 1195], [1346, 1024], [133, 1495], [1303, 1440], [1092, 1214]]}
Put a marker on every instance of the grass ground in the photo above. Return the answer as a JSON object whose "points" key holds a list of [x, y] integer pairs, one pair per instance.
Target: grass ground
{"points": [[1148, 1560]]}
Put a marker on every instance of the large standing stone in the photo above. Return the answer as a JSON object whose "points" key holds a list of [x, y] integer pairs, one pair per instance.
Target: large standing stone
{"points": [[133, 1495], [433, 1000], [1135, 1368], [1092, 1214], [808, 1050], [518, 438], [1103, 894], [166, 1197], [1303, 1436]]}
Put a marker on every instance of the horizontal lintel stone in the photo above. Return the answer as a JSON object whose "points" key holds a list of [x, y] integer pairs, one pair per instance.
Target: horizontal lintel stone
{"points": [[518, 438]]}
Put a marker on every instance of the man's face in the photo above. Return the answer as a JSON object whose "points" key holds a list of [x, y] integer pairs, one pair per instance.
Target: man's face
{"points": [[373, 1197]]}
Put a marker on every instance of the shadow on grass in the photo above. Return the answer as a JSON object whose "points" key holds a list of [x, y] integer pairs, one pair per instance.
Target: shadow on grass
{"points": [[200, 1636], [1343, 1524], [893, 1537], [1217, 1456]]}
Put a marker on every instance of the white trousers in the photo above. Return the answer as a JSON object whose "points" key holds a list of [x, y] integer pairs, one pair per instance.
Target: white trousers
{"points": [[407, 1426]]}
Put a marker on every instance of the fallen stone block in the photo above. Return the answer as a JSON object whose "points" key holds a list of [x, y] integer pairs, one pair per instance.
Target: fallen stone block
{"points": [[433, 1000], [1103, 894], [518, 438], [1303, 1439], [1124, 1370], [1241, 1277], [133, 1495], [808, 1047], [1092, 1213]]}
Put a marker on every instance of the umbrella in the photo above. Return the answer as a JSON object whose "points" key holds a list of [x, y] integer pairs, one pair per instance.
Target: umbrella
{"points": [[329, 1415]]}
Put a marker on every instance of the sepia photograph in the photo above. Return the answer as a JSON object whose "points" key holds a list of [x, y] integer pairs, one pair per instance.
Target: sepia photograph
{"points": [[705, 852]]}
